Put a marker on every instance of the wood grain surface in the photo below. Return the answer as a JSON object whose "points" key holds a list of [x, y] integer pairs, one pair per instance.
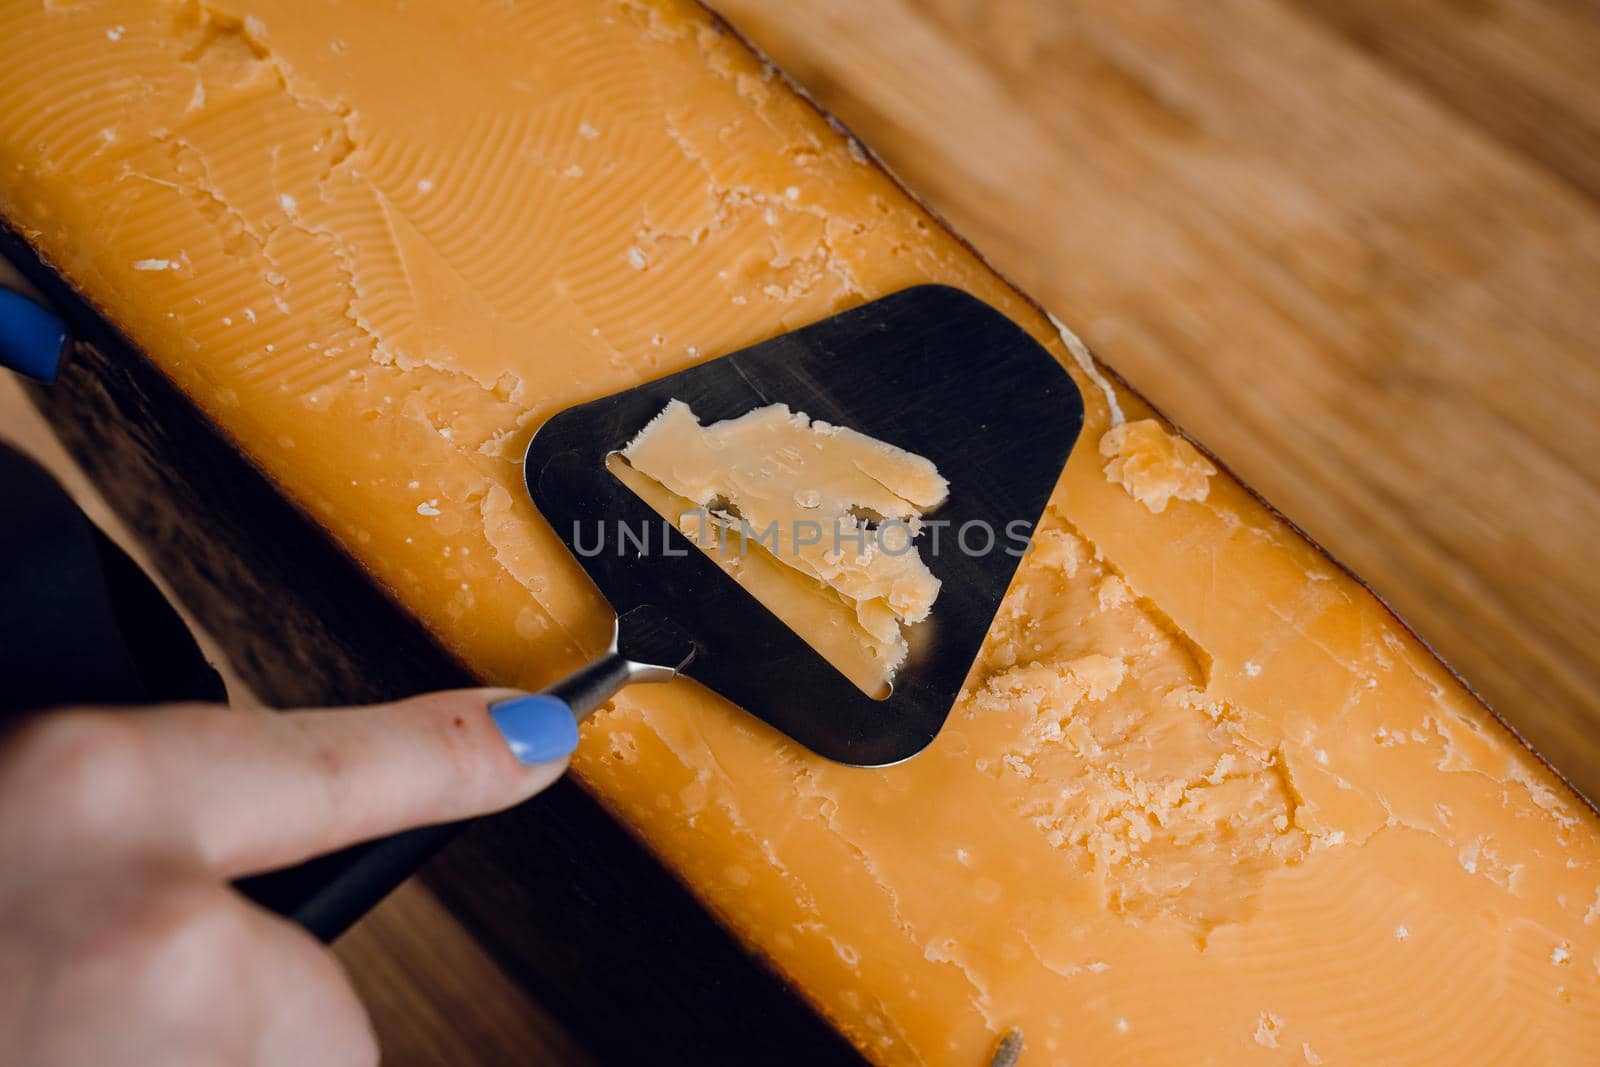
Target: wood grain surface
{"points": [[1351, 245]]}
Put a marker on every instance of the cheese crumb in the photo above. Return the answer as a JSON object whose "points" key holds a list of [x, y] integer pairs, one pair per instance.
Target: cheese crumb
{"points": [[155, 264], [1154, 466], [1560, 954], [428, 508], [288, 202], [1401, 933], [1098, 674], [636, 258], [424, 185], [115, 33], [1267, 1029]]}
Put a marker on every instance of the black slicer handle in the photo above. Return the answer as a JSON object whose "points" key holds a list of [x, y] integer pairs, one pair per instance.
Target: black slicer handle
{"points": [[326, 895], [82, 624]]}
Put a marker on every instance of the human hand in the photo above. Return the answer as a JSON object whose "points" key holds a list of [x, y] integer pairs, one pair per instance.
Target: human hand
{"points": [[121, 939]]}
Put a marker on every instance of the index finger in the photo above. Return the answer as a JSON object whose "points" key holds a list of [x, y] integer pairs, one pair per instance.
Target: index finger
{"points": [[253, 791]]}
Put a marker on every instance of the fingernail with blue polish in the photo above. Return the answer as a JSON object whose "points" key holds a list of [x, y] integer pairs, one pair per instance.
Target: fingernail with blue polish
{"points": [[32, 338], [538, 728]]}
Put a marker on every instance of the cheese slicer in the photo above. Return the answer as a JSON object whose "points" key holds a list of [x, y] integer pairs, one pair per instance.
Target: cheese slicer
{"points": [[931, 370]]}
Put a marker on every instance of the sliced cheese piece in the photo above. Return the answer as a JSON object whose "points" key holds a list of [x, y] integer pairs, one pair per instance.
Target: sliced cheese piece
{"points": [[826, 501], [1205, 799], [827, 621]]}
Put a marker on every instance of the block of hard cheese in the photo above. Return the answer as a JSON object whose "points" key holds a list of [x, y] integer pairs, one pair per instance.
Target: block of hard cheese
{"points": [[1204, 799]]}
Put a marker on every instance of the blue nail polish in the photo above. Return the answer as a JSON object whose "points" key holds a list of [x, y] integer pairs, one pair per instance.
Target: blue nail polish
{"points": [[32, 338], [538, 728]]}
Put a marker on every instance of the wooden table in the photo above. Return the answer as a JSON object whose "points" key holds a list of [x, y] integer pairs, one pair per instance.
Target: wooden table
{"points": [[1352, 245]]}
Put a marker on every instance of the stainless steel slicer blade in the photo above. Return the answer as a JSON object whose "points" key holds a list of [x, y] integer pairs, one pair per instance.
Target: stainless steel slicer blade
{"points": [[930, 369]]}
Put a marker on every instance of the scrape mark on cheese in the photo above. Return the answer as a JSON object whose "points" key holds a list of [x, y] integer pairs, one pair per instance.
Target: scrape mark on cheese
{"points": [[1086, 363], [1121, 758]]}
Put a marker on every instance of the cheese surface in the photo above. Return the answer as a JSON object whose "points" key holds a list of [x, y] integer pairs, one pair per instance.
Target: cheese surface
{"points": [[1203, 798], [829, 502]]}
